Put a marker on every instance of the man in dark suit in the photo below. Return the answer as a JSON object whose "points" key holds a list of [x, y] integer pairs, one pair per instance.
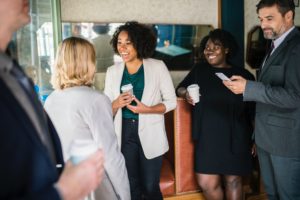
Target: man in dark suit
{"points": [[277, 93], [31, 165]]}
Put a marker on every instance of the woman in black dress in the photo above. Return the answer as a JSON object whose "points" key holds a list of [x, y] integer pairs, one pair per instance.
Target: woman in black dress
{"points": [[221, 121]]}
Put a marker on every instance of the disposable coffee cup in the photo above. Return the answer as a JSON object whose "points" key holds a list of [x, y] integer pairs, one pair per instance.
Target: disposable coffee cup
{"points": [[81, 149], [127, 88], [193, 91]]}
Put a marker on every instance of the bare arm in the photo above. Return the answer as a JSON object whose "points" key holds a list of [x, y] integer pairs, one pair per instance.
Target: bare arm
{"points": [[142, 108]]}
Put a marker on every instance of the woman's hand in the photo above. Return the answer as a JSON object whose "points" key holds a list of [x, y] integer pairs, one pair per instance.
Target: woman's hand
{"points": [[182, 92], [123, 99], [189, 98], [139, 108]]}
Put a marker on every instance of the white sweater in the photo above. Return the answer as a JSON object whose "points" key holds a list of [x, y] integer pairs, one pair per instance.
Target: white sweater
{"points": [[83, 113]]}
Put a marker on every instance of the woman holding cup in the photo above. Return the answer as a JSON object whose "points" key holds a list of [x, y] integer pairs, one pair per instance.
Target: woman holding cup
{"points": [[139, 118], [221, 121], [80, 113]]}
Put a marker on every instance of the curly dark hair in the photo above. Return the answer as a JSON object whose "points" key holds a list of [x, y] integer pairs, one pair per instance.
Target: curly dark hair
{"points": [[283, 5], [142, 37], [202, 47], [225, 39]]}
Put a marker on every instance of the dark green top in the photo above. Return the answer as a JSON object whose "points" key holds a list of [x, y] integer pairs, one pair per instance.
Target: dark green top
{"points": [[137, 81]]}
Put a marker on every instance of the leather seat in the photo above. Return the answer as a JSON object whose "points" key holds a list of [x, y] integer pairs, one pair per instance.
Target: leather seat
{"points": [[184, 149], [178, 177], [167, 176]]}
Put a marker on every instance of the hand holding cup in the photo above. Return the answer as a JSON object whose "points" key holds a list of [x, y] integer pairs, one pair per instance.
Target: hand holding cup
{"points": [[127, 88], [193, 92]]}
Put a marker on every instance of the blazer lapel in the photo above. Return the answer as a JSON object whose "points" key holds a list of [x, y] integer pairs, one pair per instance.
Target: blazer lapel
{"points": [[20, 114], [276, 54], [148, 81], [269, 62], [118, 77]]}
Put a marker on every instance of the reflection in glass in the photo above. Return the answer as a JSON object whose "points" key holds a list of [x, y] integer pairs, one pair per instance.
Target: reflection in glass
{"points": [[177, 45], [33, 47], [256, 47], [104, 51]]}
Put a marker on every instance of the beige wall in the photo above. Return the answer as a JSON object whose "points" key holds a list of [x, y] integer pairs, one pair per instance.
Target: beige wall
{"points": [[145, 11], [149, 11]]}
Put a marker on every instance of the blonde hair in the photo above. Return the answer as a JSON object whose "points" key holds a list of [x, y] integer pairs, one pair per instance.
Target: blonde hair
{"points": [[74, 64]]}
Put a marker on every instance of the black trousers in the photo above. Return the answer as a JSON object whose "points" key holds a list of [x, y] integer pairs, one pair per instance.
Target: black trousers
{"points": [[143, 173]]}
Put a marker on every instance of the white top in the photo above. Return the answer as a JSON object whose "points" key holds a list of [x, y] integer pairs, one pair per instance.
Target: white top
{"points": [[83, 113]]}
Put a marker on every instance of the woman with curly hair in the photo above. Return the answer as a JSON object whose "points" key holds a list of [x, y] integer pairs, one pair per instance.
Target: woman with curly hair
{"points": [[139, 118], [221, 121]]}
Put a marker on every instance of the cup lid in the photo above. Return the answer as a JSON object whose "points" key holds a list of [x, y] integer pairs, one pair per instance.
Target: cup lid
{"points": [[83, 147], [127, 87]]}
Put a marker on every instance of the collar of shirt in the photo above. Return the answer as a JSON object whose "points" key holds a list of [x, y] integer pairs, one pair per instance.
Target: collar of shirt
{"points": [[279, 40]]}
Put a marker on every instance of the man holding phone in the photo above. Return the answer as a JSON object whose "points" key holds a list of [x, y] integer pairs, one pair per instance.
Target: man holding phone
{"points": [[277, 93]]}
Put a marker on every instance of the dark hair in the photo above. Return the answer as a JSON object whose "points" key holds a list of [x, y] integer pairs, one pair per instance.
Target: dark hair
{"points": [[226, 39], [142, 37], [202, 47], [283, 5]]}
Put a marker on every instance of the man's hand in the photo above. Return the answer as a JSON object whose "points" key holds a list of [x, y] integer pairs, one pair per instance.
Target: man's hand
{"points": [[77, 181], [237, 84]]}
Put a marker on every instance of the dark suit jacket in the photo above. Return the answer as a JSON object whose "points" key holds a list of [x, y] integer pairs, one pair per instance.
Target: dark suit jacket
{"points": [[26, 169], [277, 122]]}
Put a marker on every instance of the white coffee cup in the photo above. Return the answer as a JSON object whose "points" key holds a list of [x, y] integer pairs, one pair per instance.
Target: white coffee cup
{"points": [[81, 149], [127, 88], [193, 91]]}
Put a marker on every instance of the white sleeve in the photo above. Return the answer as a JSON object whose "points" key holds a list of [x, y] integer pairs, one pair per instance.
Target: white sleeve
{"points": [[167, 89]]}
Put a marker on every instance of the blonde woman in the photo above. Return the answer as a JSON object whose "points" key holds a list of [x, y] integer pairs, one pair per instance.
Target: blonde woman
{"points": [[79, 112]]}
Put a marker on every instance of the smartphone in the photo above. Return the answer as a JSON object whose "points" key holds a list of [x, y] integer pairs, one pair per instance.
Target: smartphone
{"points": [[222, 76]]}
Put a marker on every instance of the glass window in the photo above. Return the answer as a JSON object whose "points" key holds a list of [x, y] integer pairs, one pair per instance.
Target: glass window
{"points": [[177, 45], [32, 46]]}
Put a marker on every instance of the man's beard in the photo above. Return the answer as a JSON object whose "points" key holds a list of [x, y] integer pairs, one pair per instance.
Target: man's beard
{"points": [[271, 36], [274, 35]]}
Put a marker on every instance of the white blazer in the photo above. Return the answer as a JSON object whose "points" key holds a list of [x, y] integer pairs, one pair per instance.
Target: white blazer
{"points": [[158, 88]]}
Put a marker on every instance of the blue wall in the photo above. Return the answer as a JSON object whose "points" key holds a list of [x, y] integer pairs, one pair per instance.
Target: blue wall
{"points": [[232, 20]]}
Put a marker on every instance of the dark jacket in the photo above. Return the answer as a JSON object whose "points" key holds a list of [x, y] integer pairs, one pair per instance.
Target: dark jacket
{"points": [[26, 169], [277, 93]]}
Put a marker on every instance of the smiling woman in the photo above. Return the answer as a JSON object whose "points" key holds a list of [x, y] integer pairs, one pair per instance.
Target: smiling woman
{"points": [[154, 96], [219, 105]]}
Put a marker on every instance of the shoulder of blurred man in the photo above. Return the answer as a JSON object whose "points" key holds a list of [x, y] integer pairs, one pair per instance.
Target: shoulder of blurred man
{"points": [[28, 167]]}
